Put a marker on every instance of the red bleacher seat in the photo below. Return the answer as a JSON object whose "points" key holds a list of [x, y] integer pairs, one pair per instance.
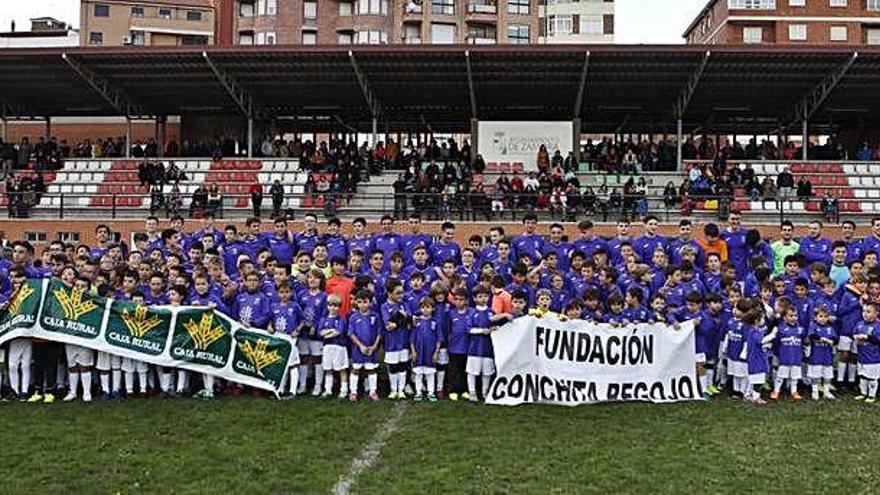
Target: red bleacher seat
{"points": [[241, 202], [834, 168], [796, 168], [812, 206], [477, 178], [518, 167], [492, 167], [307, 202], [810, 168]]}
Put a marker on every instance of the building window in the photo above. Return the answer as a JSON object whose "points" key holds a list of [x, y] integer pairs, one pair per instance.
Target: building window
{"points": [[412, 35], [518, 34], [102, 10], [518, 7], [246, 9], [192, 15], [797, 32], [442, 34], [193, 39], [344, 8], [345, 38], [753, 35], [874, 5], [558, 2], [752, 4], [270, 38], [797, 3], [165, 13], [68, 237], [310, 10], [592, 25], [96, 38], [138, 38], [838, 3], [271, 7], [838, 33], [372, 38], [246, 38], [374, 7], [310, 38], [443, 7], [560, 25], [137, 11], [35, 237]]}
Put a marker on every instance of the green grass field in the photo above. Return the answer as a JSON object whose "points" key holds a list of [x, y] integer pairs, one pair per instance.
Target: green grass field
{"points": [[261, 446]]}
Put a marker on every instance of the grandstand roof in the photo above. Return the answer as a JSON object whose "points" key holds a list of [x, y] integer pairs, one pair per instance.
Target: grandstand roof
{"points": [[626, 89]]}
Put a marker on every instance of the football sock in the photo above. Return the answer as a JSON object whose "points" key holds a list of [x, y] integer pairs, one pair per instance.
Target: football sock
{"points": [[792, 386], [704, 382], [441, 380], [472, 384], [74, 381], [105, 381], [303, 376], [872, 388], [372, 380], [777, 384], [841, 372], [143, 380], [417, 377], [129, 382], [863, 386], [353, 382], [429, 379], [319, 377], [851, 372], [117, 380], [328, 383], [208, 382], [710, 377], [293, 375], [86, 379], [487, 380]]}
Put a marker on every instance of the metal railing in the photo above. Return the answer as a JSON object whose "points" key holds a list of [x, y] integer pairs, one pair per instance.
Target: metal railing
{"points": [[431, 206]]}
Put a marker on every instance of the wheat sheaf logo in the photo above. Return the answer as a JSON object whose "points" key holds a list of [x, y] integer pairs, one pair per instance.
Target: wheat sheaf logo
{"points": [[20, 297], [137, 322], [73, 305], [204, 333], [258, 356]]}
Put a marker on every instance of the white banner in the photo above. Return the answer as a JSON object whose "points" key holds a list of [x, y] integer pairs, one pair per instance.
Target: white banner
{"points": [[519, 142], [545, 361]]}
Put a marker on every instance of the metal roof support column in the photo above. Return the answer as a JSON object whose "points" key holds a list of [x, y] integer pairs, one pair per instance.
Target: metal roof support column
{"points": [[370, 97], [114, 97], [680, 160], [161, 120], [684, 99], [250, 136], [128, 137], [471, 92], [48, 127], [806, 137], [579, 99], [374, 131], [811, 103]]}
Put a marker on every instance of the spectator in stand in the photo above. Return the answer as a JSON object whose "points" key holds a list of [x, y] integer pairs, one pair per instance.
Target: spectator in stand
{"points": [[804, 188], [543, 159], [829, 207], [865, 153], [400, 201], [24, 154], [199, 202], [479, 164], [784, 184], [256, 192], [215, 201], [175, 201], [588, 201], [157, 199], [670, 195], [641, 198], [277, 193], [768, 189]]}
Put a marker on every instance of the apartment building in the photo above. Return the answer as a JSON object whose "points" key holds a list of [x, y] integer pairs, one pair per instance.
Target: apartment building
{"points": [[146, 22], [817, 22], [345, 22], [584, 21]]}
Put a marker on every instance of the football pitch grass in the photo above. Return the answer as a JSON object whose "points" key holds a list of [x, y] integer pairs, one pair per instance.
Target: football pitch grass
{"points": [[249, 445]]}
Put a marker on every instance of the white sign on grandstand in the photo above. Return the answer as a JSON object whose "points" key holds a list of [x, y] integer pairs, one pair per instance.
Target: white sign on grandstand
{"points": [[519, 142]]}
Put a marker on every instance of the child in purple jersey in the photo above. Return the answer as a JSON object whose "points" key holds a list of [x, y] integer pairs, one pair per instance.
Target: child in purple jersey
{"points": [[789, 342], [757, 340], [572, 311], [425, 350], [592, 310], [252, 308], [733, 347], [365, 332], [335, 357], [823, 340], [396, 320], [285, 318], [480, 362], [559, 295], [80, 360], [615, 315], [633, 311], [311, 347], [440, 296], [866, 335], [459, 336], [416, 292], [157, 295], [129, 366]]}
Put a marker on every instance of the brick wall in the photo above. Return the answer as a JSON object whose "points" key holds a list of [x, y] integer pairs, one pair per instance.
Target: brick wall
{"points": [[81, 131], [15, 229]]}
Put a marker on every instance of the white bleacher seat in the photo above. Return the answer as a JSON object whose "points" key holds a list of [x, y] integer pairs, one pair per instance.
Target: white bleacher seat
{"points": [[768, 205], [91, 188], [78, 189], [92, 166], [293, 202], [72, 177], [756, 205], [873, 193], [187, 201], [867, 206], [797, 206], [263, 177], [868, 181], [203, 166], [267, 166], [104, 165], [849, 169], [86, 177], [871, 169], [853, 181], [66, 189], [860, 193], [282, 166], [198, 178], [83, 201], [298, 189]]}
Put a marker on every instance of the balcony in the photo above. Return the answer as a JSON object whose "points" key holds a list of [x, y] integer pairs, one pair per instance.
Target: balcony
{"points": [[412, 41], [480, 40], [482, 7], [412, 7]]}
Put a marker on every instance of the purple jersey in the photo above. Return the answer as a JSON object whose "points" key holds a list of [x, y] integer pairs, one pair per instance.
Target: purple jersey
{"points": [[208, 299], [637, 315], [869, 350], [756, 356], [314, 307], [336, 323], [281, 247], [286, 317], [363, 244], [529, 244], [790, 344], [252, 309], [424, 339], [480, 345], [822, 353], [397, 339], [336, 246], [459, 327], [736, 339], [305, 241], [367, 328], [439, 252]]}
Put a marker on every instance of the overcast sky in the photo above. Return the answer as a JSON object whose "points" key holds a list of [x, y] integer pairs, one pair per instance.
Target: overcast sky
{"points": [[638, 21]]}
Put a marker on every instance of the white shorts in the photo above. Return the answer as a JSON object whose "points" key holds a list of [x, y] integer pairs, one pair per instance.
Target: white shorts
{"points": [[107, 361], [335, 358], [134, 366], [869, 371], [477, 365], [316, 347], [700, 357], [397, 357], [757, 378], [424, 370], [364, 366], [739, 369], [443, 357], [789, 372], [818, 371], [20, 351], [845, 344], [79, 356]]}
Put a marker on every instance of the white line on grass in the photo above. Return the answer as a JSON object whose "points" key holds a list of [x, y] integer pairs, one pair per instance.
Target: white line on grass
{"points": [[368, 455]]}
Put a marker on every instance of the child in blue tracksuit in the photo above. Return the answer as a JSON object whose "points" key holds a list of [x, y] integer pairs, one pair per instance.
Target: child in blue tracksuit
{"points": [[823, 340], [867, 336], [789, 343], [425, 350]]}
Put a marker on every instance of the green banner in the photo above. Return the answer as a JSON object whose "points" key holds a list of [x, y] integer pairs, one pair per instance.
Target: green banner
{"points": [[72, 312], [196, 339], [138, 328], [23, 308]]}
